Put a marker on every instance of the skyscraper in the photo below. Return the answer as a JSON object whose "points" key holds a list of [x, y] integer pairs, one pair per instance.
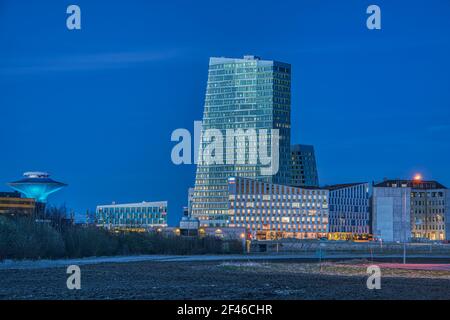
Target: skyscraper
{"points": [[304, 168], [242, 94]]}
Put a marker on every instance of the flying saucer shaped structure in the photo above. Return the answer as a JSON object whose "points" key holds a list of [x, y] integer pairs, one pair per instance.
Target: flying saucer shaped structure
{"points": [[37, 185]]}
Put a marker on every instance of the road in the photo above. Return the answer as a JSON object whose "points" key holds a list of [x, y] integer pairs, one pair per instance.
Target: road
{"points": [[44, 264]]}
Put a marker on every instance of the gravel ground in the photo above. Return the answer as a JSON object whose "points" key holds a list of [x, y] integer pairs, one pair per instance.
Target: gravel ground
{"points": [[221, 280]]}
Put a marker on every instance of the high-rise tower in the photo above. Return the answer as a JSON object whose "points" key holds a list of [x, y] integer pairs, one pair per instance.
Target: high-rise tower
{"points": [[304, 168], [245, 94]]}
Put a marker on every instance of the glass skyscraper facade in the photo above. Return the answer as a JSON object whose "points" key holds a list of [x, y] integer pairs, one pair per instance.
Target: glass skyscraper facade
{"points": [[247, 93], [304, 168]]}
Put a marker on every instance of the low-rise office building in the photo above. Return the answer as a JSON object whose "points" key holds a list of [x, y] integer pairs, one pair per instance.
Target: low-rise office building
{"points": [[140, 216], [13, 203], [391, 213], [429, 207], [411, 210], [226, 233], [349, 211], [272, 211]]}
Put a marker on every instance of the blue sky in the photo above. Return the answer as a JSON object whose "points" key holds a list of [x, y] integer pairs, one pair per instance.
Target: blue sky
{"points": [[96, 107]]}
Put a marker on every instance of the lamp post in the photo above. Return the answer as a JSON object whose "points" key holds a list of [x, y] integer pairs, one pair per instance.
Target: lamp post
{"points": [[404, 223], [244, 242]]}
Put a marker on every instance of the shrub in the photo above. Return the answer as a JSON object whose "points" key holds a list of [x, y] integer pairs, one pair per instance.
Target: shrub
{"points": [[24, 238], [88, 241]]}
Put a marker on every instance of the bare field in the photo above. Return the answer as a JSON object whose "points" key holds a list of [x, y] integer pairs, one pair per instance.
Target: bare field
{"points": [[345, 268], [224, 280]]}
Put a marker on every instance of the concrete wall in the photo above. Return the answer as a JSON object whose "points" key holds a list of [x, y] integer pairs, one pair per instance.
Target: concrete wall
{"points": [[392, 213]]}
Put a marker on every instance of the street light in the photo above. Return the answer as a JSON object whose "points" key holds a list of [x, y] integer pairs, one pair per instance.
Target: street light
{"points": [[244, 242], [404, 225]]}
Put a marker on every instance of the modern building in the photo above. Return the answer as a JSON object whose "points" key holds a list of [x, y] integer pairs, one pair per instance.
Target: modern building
{"points": [[349, 211], [12, 203], [190, 200], [429, 210], [391, 219], [273, 211], [189, 226], [447, 217], [410, 209], [37, 185], [304, 167], [225, 233], [242, 96], [140, 216]]}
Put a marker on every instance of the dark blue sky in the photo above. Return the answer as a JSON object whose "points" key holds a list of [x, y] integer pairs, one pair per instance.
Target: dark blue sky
{"points": [[96, 107]]}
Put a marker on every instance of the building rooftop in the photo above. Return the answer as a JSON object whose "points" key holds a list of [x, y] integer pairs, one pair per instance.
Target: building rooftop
{"points": [[247, 58], [415, 184], [343, 185], [37, 177], [13, 194], [232, 180], [136, 204]]}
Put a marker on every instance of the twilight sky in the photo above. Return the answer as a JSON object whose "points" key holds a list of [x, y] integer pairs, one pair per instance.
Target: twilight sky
{"points": [[96, 107]]}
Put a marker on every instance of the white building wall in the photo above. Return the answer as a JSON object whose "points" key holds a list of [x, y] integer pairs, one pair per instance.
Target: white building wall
{"points": [[392, 213], [384, 216]]}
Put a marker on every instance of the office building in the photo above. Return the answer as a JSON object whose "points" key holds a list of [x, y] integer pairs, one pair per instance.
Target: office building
{"points": [[272, 211], [429, 207], [303, 166], [12, 203], [190, 201], [225, 233], [349, 211], [447, 216], [391, 213], [140, 216], [417, 208], [242, 96]]}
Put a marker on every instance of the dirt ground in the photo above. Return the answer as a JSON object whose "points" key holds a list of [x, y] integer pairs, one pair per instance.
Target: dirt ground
{"points": [[222, 280]]}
